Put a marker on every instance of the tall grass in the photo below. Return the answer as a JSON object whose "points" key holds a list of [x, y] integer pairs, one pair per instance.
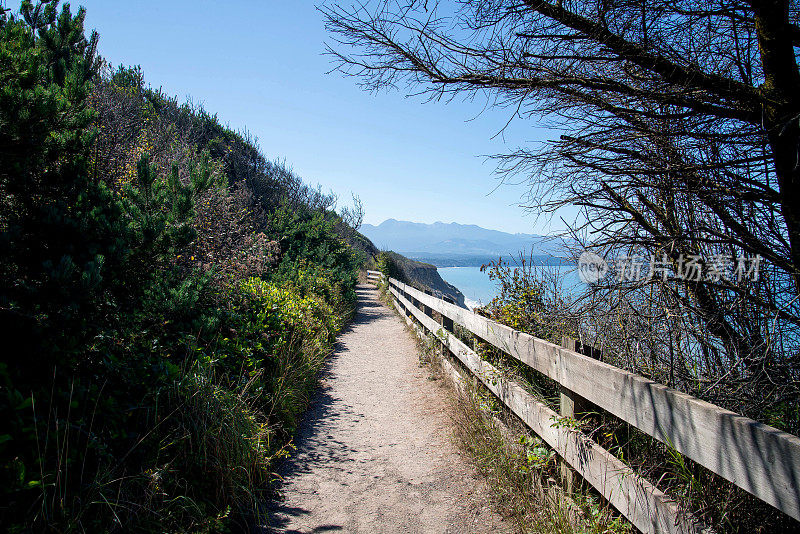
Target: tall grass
{"points": [[206, 463]]}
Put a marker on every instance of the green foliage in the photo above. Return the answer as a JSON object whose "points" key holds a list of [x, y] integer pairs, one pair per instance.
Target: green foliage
{"points": [[159, 344], [56, 220], [537, 454], [285, 310], [310, 238], [282, 338], [388, 266], [527, 302]]}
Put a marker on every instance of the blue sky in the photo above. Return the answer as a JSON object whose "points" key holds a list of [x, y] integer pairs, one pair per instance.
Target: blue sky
{"points": [[259, 65]]}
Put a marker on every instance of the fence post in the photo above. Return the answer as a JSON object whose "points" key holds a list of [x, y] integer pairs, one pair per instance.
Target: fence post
{"points": [[425, 308], [405, 294], [574, 406], [397, 300], [447, 325]]}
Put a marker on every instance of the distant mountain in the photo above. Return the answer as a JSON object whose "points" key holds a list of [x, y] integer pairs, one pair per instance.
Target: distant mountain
{"points": [[445, 244]]}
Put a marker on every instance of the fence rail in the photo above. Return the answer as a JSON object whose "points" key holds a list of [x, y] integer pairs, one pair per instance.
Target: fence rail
{"points": [[756, 457], [374, 276]]}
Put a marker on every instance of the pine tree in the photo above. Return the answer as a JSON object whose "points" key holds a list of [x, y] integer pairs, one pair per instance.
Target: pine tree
{"points": [[55, 219], [59, 233]]}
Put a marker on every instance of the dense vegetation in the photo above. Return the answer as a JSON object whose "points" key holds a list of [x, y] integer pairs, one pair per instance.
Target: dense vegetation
{"points": [[166, 296]]}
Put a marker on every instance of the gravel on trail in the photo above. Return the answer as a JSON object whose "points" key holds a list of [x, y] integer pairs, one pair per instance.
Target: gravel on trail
{"points": [[375, 451]]}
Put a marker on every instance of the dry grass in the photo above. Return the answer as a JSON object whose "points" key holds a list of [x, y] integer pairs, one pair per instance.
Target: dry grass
{"points": [[523, 472]]}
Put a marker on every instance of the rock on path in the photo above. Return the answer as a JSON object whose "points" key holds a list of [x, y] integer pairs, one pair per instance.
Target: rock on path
{"points": [[374, 453]]}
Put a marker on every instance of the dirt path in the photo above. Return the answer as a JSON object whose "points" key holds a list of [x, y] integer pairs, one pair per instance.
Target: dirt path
{"points": [[375, 452]]}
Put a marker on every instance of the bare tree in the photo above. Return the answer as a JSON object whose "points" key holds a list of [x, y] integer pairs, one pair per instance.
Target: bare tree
{"points": [[353, 216], [680, 138]]}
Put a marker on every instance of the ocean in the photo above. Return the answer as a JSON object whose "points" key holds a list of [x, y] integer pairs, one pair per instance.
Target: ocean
{"points": [[475, 285], [479, 290]]}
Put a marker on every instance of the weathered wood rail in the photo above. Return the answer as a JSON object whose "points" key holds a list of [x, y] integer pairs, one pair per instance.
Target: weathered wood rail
{"points": [[756, 457]]}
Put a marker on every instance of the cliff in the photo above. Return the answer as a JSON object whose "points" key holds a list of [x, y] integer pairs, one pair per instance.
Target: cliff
{"points": [[426, 276], [416, 273]]}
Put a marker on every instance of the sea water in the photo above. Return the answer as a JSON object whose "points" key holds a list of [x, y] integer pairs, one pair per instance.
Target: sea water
{"points": [[479, 290], [476, 286]]}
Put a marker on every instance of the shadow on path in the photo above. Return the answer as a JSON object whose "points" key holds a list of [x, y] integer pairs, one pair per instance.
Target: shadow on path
{"points": [[374, 450], [321, 409]]}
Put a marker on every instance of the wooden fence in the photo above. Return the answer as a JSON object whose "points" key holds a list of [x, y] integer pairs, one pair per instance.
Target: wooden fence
{"points": [[375, 276], [758, 458]]}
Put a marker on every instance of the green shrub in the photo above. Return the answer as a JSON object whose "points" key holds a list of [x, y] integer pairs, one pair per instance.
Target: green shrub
{"points": [[282, 339], [388, 266], [216, 455], [160, 344]]}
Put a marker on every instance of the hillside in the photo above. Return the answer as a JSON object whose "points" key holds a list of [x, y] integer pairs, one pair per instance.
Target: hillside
{"points": [[167, 297], [425, 276]]}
